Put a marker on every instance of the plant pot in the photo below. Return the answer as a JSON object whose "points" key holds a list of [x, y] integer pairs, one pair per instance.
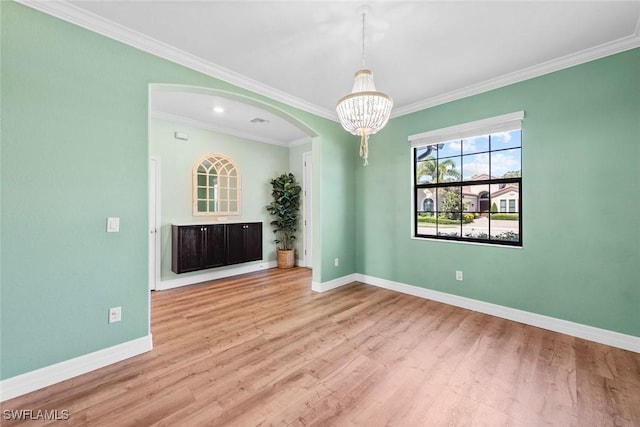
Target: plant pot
{"points": [[286, 259]]}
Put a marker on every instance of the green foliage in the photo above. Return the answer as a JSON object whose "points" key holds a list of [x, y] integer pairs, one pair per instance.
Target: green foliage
{"points": [[505, 216], [427, 217], [512, 174], [467, 218], [494, 208], [452, 204], [430, 170], [440, 220], [430, 219], [286, 208]]}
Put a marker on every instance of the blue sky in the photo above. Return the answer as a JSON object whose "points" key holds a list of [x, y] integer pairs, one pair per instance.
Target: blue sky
{"points": [[471, 155]]}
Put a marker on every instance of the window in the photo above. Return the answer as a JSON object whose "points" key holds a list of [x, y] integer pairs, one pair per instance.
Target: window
{"points": [[472, 175], [427, 205], [216, 186]]}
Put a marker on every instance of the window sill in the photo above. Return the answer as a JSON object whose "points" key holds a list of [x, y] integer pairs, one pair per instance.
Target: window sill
{"points": [[491, 245]]}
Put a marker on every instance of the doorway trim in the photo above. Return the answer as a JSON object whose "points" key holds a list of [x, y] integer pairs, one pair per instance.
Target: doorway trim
{"points": [[307, 203], [154, 222]]}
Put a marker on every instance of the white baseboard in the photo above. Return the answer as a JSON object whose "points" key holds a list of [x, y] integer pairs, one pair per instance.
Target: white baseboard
{"points": [[43, 377], [215, 274], [603, 336], [332, 284]]}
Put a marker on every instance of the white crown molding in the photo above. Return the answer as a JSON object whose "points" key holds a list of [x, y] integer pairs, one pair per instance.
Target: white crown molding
{"points": [[220, 129], [70, 13], [75, 15], [571, 60], [52, 374]]}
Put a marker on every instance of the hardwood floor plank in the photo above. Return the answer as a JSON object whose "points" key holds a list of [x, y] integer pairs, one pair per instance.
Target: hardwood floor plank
{"points": [[262, 349]]}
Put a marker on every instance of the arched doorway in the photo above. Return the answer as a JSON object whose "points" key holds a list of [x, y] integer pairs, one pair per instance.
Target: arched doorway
{"points": [[248, 112]]}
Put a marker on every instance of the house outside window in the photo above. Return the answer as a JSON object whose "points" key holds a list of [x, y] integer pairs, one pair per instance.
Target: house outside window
{"points": [[462, 174]]}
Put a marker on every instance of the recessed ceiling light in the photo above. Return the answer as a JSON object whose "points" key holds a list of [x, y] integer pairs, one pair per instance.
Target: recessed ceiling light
{"points": [[218, 110]]}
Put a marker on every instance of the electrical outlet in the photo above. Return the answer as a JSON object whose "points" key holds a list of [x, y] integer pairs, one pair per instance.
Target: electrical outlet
{"points": [[115, 314], [336, 262], [459, 275]]}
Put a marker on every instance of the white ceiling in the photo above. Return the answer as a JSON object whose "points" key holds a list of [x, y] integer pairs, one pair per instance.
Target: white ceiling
{"points": [[238, 118], [423, 53]]}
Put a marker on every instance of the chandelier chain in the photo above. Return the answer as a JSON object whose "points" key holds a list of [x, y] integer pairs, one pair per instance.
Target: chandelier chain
{"points": [[364, 65]]}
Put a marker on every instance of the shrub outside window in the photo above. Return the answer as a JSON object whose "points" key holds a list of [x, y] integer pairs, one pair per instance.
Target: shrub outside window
{"points": [[469, 188]]}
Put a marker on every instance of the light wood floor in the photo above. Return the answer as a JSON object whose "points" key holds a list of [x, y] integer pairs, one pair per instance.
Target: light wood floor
{"points": [[262, 349]]}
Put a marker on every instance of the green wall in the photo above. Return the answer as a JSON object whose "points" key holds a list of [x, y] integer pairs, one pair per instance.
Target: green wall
{"points": [[71, 157], [581, 229], [257, 162], [335, 168], [75, 151]]}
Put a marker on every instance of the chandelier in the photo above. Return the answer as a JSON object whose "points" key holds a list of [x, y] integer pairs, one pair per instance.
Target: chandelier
{"points": [[364, 111]]}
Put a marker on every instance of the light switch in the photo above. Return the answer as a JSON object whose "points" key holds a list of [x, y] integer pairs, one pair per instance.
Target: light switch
{"points": [[113, 225]]}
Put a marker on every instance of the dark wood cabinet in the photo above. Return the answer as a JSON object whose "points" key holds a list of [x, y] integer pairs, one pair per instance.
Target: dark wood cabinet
{"points": [[198, 247], [244, 242]]}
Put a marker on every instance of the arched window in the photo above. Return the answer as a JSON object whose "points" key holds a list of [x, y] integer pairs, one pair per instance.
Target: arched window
{"points": [[216, 186], [427, 205]]}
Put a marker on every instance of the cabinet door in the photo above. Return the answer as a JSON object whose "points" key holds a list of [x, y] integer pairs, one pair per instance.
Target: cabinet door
{"points": [[213, 246], [235, 243], [253, 241], [186, 250]]}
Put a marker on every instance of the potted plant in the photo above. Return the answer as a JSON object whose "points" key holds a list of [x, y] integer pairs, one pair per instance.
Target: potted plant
{"points": [[286, 209]]}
